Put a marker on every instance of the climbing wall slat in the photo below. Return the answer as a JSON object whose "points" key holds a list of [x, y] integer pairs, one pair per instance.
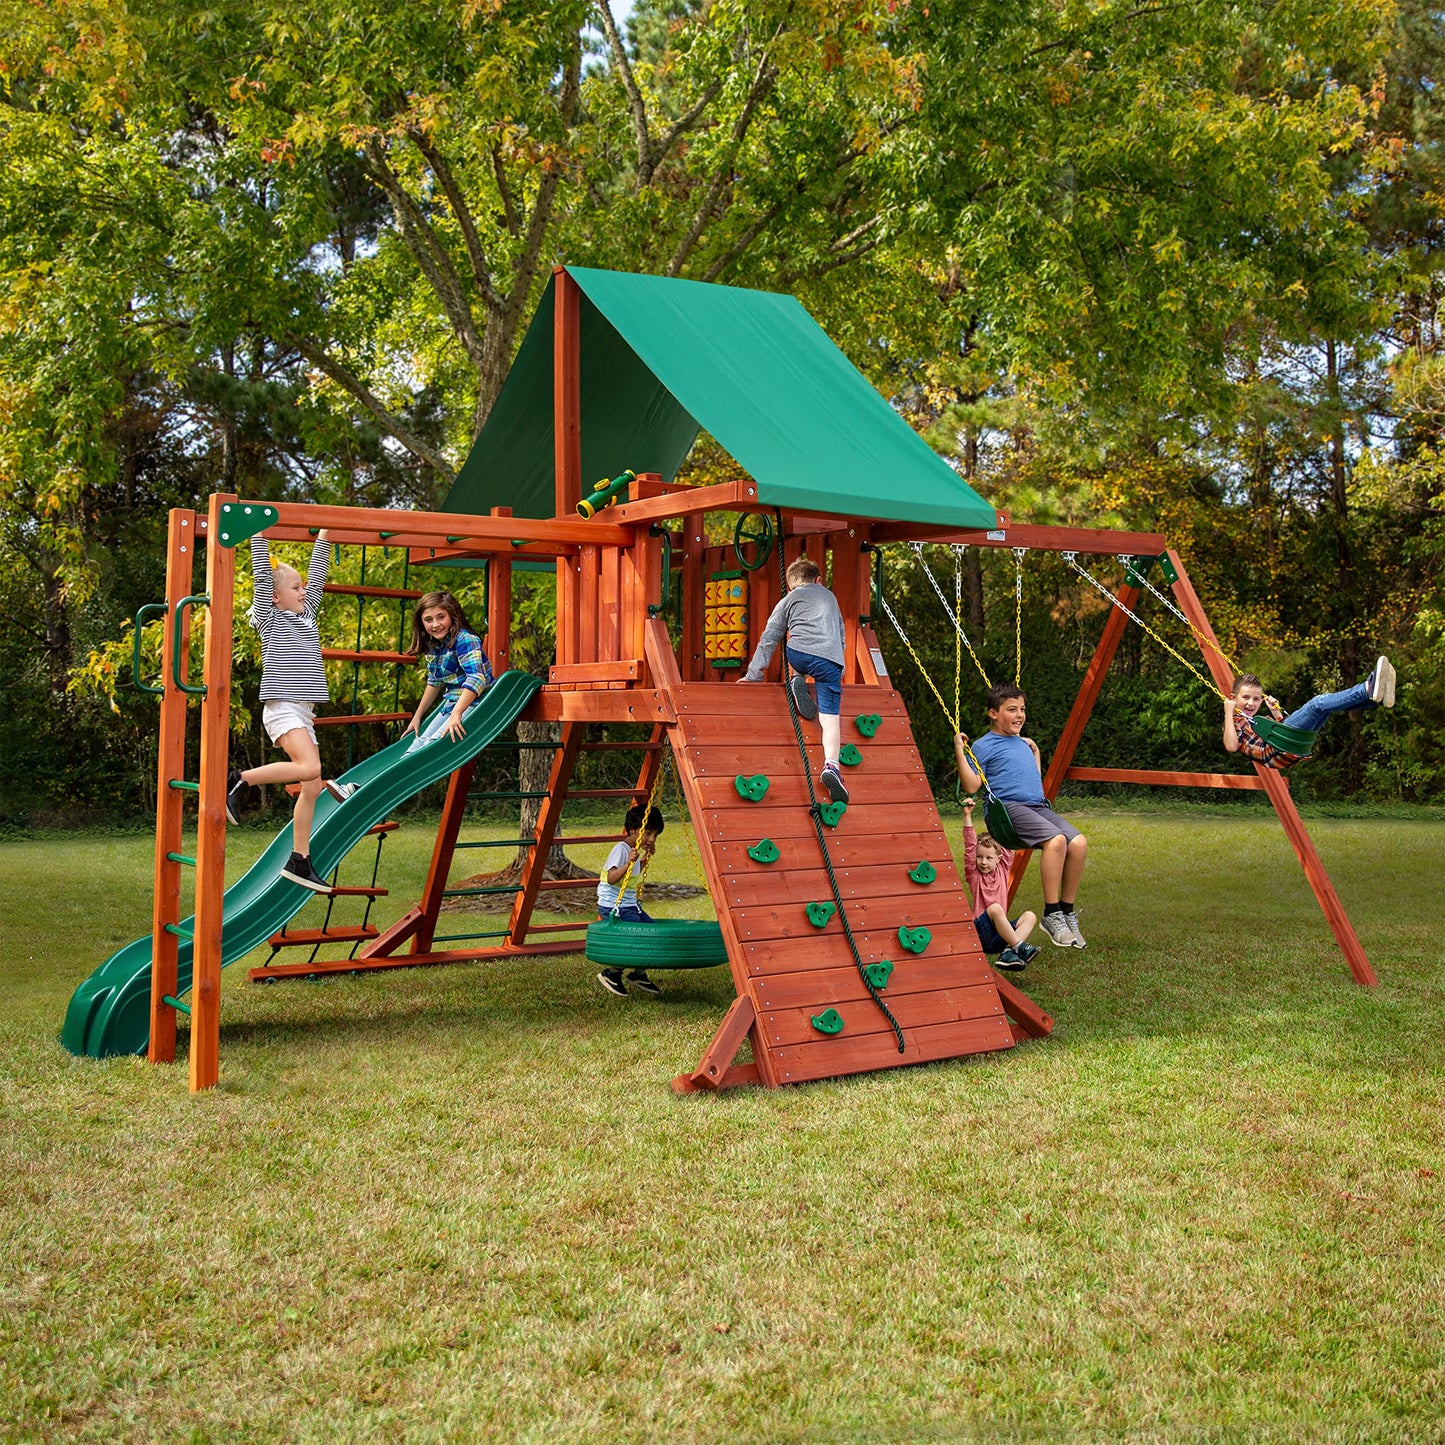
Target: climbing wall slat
{"points": [[944, 998]]}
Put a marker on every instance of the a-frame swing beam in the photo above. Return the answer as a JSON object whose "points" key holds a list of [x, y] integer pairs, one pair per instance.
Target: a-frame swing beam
{"points": [[1265, 779]]}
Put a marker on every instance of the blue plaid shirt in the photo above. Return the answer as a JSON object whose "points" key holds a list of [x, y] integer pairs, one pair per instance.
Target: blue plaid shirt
{"points": [[459, 664]]}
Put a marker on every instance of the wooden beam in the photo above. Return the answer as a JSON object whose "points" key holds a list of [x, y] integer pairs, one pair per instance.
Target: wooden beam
{"points": [[624, 670], [1096, 540], [687, 502], [567, 440], [548, 817], [211, 825], [719, 1054], [1029, 1017], [1278, 791], [449, 826], [170, 802], [1245, 782], [499, 606], [694, 584]]}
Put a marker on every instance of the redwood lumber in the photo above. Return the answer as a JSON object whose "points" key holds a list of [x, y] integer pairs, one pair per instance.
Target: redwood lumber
{"points": [[352, 589], [1278, 792], [688, 502], [720, 1053], [620, 670], [887, 913], [781, 1027], [801, 852], [363, 963], [450, 533], [767, 887], [1031, 1020], [351, 654], [833, 1057], [830, 949], [789, 791], [745, 820], [346, 719], [587, 604], [1247, 782], [563, 762], [694, 583], [609, 606], [338, 933], [735, 1077], [392, 937], [818, 987], [449, 827], [170, 802], [211, 825], [567, 444], [499, 605]]}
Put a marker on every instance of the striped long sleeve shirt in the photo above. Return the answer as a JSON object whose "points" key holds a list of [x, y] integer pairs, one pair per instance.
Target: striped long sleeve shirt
{"points": [[291, 665]]}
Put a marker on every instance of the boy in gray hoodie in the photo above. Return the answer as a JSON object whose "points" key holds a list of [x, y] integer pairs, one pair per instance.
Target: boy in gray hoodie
{"points": [[809, 618]]}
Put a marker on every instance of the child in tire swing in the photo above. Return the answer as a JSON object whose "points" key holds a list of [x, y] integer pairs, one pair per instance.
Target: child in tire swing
{"points": [[616, 896]]}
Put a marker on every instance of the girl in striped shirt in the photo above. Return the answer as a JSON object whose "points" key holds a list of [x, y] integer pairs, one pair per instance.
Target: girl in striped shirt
{"points": [[293, 680]]}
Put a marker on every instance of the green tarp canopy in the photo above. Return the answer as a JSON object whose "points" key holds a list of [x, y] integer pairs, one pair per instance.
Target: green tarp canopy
{"points": [[663, 358]]}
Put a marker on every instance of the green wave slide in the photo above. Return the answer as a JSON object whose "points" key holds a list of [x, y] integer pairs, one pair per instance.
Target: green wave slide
{"points": [[109, 1013]]}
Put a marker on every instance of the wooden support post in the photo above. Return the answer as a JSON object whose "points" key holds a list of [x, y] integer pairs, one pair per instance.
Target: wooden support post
{"points": [[547, 820], [847, 566], [609, 606], [170, 802], [443, 850], [1089, 690], [716, 1063], [566, 441], [588, 603], [1278, 791], [694, 585], [499, 606], [211, 827]]}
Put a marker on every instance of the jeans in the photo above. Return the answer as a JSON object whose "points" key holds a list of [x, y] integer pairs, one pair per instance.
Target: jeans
{"points": [[431, 729], [827, 679], [630, 914], [1311, 717]]}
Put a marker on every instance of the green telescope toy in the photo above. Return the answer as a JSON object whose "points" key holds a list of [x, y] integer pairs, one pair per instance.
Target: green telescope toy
{"points": [[605, 493]]}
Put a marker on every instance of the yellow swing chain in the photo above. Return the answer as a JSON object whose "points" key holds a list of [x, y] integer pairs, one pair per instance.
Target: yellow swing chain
{"points": [[917, 549], [1202, 638], [632, 867], [1019, 554], [958, 632], [685, 822], [1072, 559]]}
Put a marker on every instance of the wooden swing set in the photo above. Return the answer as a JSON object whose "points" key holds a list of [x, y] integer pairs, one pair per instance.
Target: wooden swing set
{"points": [[815, 910]]}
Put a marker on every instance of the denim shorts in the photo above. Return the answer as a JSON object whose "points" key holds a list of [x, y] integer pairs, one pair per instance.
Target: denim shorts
{"points": [[630, 914], [827, 679], [988, 938]]}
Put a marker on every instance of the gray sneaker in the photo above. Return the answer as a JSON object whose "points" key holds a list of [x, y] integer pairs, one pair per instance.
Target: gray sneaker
{"points": [[1056, 925], [1381, 683], [340, 791], [1077, 938]]}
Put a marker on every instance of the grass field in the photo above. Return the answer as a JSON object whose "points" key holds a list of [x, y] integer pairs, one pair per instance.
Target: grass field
{"points": [[463, 1204]]}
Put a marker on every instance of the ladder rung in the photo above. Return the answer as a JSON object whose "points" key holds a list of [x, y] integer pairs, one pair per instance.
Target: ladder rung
{"points": [[462, 937], [647, 747], [554, 885], [175, 1003], [390, 826], [180, 930], [360, 717], [513, 794], [181, 858], [501, 843], [560, 927], [590, 838], [518, 743], [479, 892], [352, 654], [304, 937], [182, 786], [606, 792], [360, 892], [352, 589]]}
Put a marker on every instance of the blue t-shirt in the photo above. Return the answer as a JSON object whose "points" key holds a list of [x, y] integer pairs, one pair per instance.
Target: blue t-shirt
{"points": [[1009, 765]]}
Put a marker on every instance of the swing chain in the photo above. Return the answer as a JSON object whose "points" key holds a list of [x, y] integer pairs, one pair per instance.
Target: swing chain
{"points": [[1203, 639], [632, 866], [1019, 554], [953, 617]]}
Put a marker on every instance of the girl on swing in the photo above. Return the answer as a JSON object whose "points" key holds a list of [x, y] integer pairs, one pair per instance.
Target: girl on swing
{"points": [[1260, 744]]}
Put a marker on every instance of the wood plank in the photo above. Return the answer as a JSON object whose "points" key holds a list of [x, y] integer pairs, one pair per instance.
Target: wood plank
{"points": [[819, 987], [830, 949], [782, 1027], [764, 887], [621, 670], [609, 604], [352, 654], [926, 906], [1097, 541], [1246, 782], [348, 719], [719, 1054], [681, 501], [1028, 1018], [785, 791], [349, 589], [846, 852], [756, 819], [756, 699], [723, 755], [340, 933], [589, 577], [499, 606], [367, 964], [835, 1057]]}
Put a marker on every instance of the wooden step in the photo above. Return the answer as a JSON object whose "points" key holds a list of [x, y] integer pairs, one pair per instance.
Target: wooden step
{"points": [[308, 937]]}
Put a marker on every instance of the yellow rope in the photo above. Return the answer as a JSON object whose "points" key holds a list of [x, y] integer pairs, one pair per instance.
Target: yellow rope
{"points": [[1072, 559], [917, 549]]}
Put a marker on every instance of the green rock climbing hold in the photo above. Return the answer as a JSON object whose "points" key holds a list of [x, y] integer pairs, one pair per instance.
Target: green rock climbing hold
{"points": [[832, 813], [830, 1021], [820, 913], [868, 724], [879, 973], [924, 873], [849, 756], [764, 851], [915, 940], [751, 788]]}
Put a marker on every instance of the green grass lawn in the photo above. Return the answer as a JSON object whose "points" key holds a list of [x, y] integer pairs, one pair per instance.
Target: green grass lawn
{"points": [[462, 1203]]}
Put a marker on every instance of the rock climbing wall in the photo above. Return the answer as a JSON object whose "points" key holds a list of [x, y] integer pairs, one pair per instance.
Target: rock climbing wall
{"points": [[814, 1017]]}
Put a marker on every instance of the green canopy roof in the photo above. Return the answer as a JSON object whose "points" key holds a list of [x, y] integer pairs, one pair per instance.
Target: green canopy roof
{"points": [[662, 358]]}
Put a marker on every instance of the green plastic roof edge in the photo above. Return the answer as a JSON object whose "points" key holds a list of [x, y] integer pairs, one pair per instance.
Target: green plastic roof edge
{"points": [[663, 358]]}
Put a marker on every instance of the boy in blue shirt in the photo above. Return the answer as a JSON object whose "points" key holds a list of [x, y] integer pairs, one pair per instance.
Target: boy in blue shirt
{"points": [[1016, 778]]}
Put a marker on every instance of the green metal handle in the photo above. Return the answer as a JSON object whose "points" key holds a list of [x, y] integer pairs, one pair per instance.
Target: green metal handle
{"points": [[177, 633], [654, 609], [140, 618]]}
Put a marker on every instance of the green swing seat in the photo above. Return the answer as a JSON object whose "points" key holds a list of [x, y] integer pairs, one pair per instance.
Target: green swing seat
{"points": [[1298, 741], [665, 943], [1000, 825]]}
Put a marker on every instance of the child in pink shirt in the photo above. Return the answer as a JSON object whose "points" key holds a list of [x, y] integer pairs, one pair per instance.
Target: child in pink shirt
{"points": [[986, 871]]}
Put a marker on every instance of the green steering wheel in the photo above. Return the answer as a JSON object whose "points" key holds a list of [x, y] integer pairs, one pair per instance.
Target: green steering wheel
{"points": [[753, 529]]}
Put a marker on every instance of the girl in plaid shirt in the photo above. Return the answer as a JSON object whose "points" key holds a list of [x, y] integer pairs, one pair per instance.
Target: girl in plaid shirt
{"points": [[457, 670]]}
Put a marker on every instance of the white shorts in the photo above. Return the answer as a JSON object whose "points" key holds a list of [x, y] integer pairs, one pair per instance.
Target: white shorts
{"points": [[280, 718]]}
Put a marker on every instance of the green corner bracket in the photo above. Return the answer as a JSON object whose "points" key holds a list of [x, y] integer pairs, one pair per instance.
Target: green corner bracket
{"points": [[830, 1021], [819, 914], [915, 940], [240, 521], [751, 789]]}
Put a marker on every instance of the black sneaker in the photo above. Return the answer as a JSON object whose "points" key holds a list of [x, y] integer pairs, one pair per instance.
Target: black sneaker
{"points": [[802, 698], [1010, 962], [1027, 951], [299, 870], [340, 791], [640, 981], [611, 980], [238, 797], [833, 780]]}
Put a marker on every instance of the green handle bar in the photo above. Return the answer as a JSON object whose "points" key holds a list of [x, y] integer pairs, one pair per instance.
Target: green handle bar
{"points": [[656, 608], [177, 632], [140, 618]]}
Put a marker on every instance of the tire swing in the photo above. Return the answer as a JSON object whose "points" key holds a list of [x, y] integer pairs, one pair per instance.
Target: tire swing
{"points": [[666, 943]]}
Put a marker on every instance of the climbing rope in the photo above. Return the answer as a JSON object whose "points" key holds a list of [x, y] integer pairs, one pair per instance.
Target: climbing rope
{"points": [[1072, 559], [815, 813]]}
